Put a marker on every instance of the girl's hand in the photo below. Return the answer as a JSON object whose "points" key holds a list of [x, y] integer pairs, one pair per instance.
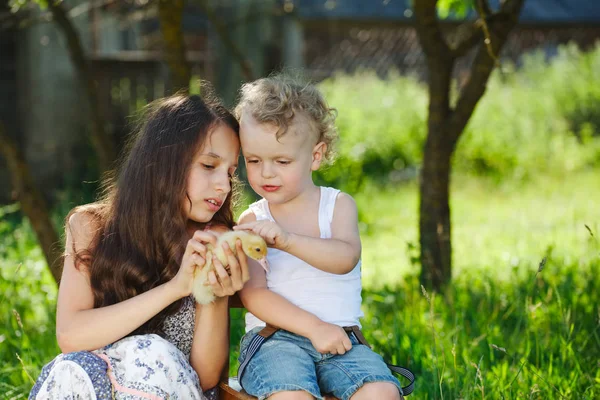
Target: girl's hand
{"points": [[227, 281], [270, 231], [330, 339], [193, 257]]}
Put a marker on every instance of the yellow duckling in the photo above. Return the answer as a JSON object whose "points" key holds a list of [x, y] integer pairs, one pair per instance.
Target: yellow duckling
{"points": [[253, 245]]}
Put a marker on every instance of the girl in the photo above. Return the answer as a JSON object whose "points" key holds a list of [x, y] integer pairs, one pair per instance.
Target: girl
{"points": [[126, 323], [313, 288]]}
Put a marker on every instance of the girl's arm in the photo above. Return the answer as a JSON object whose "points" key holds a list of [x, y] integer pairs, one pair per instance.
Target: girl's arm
{"points": [[338, 255], [79, 326], [210, 348]]}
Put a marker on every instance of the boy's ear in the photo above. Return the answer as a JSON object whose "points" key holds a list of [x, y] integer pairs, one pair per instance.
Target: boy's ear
{"points": [[318, 155]]}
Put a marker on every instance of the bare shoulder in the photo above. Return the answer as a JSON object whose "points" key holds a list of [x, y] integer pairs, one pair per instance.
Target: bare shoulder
{"points": [[81, 228], [345, 204], [247, 216], [345, 219]]}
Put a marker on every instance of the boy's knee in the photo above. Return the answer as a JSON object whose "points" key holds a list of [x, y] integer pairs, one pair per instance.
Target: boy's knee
{"points": [[377, 390], [291, 395]]}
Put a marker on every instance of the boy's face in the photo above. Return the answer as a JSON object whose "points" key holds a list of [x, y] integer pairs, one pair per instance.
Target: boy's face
{"points": [[279, 170]]}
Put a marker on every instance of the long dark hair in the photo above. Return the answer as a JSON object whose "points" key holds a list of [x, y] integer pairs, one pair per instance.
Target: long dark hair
{"points": [[141, 218]]}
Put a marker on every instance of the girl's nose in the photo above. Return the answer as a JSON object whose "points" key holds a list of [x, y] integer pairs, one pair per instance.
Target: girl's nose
{"points": [[223, 183]]}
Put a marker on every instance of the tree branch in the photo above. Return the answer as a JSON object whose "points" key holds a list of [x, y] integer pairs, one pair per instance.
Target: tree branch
{"points": [[32, 203], [428, 29], [475, 32], [103, 144], [170, 14], [473, 35], [482, 68], [225, 37], [484, 8], [484, 11]]}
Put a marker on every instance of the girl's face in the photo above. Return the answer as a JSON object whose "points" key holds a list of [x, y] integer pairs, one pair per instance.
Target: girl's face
{"points": [[209, 180], [279, 169]]}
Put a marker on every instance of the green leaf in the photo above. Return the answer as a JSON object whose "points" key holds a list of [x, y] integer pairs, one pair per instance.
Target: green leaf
{"points": [[456, 8]]}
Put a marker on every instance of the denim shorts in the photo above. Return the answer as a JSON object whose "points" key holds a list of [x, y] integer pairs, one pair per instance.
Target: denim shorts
{"points": [[288, 362]]}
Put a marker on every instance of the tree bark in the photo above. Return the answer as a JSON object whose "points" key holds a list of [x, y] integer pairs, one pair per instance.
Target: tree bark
{"points": [[104, 146], [445, 124], [170, 14], [32, 203], [434, 185]]}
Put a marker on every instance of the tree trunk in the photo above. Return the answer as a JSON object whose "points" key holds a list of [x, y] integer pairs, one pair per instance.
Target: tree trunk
{"points": [[434, 208], [446, 125], [32, 203], [101, 141], [170, 15]]}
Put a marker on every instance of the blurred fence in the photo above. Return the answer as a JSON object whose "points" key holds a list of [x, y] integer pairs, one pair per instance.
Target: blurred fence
{"points": [[129, 80], [348, 47]]}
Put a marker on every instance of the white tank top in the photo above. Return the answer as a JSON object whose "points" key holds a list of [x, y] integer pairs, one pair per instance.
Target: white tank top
{"points": [[333, 298]]}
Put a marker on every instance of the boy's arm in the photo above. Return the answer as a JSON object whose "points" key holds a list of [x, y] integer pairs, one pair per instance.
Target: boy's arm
{"points": [[338, 255], [272, 308], [275, 310], [269, 306]]}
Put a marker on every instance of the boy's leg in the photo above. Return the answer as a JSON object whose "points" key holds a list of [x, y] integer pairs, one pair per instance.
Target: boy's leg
{"points": [[296, 395], [358, 374], [377, 390], [279, 370]]}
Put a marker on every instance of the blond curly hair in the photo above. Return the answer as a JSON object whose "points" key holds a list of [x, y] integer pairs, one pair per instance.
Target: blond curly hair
{"points": [[279, 99]]}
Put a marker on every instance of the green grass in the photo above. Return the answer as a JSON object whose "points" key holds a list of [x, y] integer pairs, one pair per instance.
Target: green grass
{"points": [[495, 227], [547, 322], [545, 326]]}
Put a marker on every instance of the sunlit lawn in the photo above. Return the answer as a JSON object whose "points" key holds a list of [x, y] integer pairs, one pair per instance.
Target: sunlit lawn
{"points": [[547, 323]]}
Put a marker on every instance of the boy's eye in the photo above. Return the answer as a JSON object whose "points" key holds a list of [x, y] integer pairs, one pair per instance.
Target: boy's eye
{"points": [[284, 162], [252, 161]]}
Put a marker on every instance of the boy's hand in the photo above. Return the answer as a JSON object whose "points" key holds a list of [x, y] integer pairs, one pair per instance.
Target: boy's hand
{"points": [[270, 231], [330, 339]]}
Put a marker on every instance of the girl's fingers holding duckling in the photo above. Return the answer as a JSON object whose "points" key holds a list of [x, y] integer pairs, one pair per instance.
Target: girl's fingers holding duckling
{"points": [[233, 266], [194, 246], [238, 267], [213, 281], [243, 260], [224, 279], [205, 237]]}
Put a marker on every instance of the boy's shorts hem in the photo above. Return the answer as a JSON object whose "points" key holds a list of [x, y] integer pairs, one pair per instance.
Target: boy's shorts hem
{"points": [[370, 379], [286, 388]]}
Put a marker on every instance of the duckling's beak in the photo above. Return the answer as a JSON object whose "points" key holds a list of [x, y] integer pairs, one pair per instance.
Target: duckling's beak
{"points": [[264, 263]]}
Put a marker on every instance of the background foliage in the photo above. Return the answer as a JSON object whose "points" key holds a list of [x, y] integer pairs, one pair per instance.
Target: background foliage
{"points": [[525, 189]]}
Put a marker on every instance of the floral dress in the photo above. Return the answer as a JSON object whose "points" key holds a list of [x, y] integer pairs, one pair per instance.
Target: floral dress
{"points": [[136, 367]]}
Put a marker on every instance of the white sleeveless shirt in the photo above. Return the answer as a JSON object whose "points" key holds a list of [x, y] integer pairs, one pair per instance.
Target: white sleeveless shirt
{"points": [[333, 298]]}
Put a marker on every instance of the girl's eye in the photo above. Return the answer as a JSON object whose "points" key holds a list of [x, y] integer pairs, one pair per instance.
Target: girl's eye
{"points": [[252, 161], [207, 166]]}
